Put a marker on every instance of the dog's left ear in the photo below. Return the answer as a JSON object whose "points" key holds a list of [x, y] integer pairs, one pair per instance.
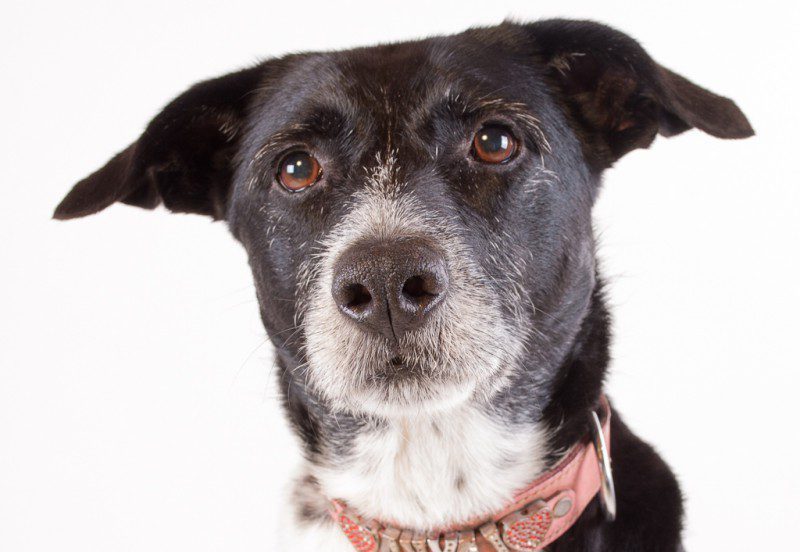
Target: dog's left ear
{"points": [[184, 158], [618, 98]]}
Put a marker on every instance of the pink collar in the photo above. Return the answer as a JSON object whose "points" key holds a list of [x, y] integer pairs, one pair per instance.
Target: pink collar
{"points": [[536, 516]]}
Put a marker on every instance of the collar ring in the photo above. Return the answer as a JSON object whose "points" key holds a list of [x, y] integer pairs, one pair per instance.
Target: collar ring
{"points": [[608, 496]]}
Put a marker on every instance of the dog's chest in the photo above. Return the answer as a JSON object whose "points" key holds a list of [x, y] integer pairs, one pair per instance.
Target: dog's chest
{"points": [[436, 471]]}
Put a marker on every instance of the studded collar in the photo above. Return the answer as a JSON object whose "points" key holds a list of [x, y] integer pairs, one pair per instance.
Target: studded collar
{"points": [[534, 518]]}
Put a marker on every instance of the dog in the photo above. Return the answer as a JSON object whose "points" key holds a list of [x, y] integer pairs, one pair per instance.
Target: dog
{"points": [[418, 219]]}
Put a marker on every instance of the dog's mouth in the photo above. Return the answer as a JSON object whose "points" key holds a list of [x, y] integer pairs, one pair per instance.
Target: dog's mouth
{"points": [[400, 368], [363, 374]]}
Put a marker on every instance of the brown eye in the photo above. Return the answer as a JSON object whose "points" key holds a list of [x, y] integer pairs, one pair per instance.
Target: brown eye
{"points": [[298, 170], [493, 144]]}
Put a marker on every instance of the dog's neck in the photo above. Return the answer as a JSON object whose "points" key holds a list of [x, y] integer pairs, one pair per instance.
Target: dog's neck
{"points": [[433, 471], [443, 469]]}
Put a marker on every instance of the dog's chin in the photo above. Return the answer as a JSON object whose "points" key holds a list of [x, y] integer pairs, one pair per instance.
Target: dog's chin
{"points": [[406, 399], [394, 385]]}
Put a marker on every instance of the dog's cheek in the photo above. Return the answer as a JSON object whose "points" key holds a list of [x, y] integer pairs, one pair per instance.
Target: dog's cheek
{"points": [[273, 280], [336, 353]]}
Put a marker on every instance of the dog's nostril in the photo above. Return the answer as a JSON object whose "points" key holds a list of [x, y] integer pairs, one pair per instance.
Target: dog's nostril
{"points": [[420, 289], [357, 297], [415, 287]]}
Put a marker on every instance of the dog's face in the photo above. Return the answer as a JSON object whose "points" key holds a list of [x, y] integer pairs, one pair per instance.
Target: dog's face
{"points": [[417, 216], [406, 258]]}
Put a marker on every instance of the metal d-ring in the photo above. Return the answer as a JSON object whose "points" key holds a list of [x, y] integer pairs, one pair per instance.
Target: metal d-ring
{"points": [[608, 497]]}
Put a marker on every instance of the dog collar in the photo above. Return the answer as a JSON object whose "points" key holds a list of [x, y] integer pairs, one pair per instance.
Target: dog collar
{"points": [[537, 515]]}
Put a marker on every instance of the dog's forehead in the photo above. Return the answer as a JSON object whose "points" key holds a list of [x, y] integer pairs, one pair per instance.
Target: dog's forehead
{"points": [[388, 66], [407, 77], [401, 79]]}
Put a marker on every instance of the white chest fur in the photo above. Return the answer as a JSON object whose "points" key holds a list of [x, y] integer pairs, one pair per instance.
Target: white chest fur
{"points": [[435, 471]]}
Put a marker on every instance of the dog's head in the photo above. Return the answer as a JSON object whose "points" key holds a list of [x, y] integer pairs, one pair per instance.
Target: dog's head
{"points": [[417, 215]]}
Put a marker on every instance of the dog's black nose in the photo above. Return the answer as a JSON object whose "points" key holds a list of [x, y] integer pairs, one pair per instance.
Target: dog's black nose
{"points": [[389, 287]]}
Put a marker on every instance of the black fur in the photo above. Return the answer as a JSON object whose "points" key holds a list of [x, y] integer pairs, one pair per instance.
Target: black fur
{"points": [[596, 95]]}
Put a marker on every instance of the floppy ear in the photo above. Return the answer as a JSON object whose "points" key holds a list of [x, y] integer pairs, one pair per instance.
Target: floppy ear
{"points": [[618, 98], [183, 159]]}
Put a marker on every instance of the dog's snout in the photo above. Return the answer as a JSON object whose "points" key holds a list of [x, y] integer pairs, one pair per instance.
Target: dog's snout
{"points": [[390, 287]]}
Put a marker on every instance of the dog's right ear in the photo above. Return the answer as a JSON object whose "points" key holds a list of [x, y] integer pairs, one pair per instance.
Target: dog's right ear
{"points": [[618, 98], [184, 158]]}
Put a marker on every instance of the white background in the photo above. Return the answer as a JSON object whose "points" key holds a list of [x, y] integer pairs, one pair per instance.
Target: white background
{"points": [[137, 407]]}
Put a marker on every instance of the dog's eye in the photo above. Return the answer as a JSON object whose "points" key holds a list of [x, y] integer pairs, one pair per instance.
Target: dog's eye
{"points": [[493, 144], [298, 170]]}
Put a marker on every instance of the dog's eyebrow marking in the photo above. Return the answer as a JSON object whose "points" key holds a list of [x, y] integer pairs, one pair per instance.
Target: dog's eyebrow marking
{"points": [[288, 134], [485, 106], [322, 122]]}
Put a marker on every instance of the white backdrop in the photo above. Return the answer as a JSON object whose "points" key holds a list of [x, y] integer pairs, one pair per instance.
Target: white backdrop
{"points": [[137, 406]]}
